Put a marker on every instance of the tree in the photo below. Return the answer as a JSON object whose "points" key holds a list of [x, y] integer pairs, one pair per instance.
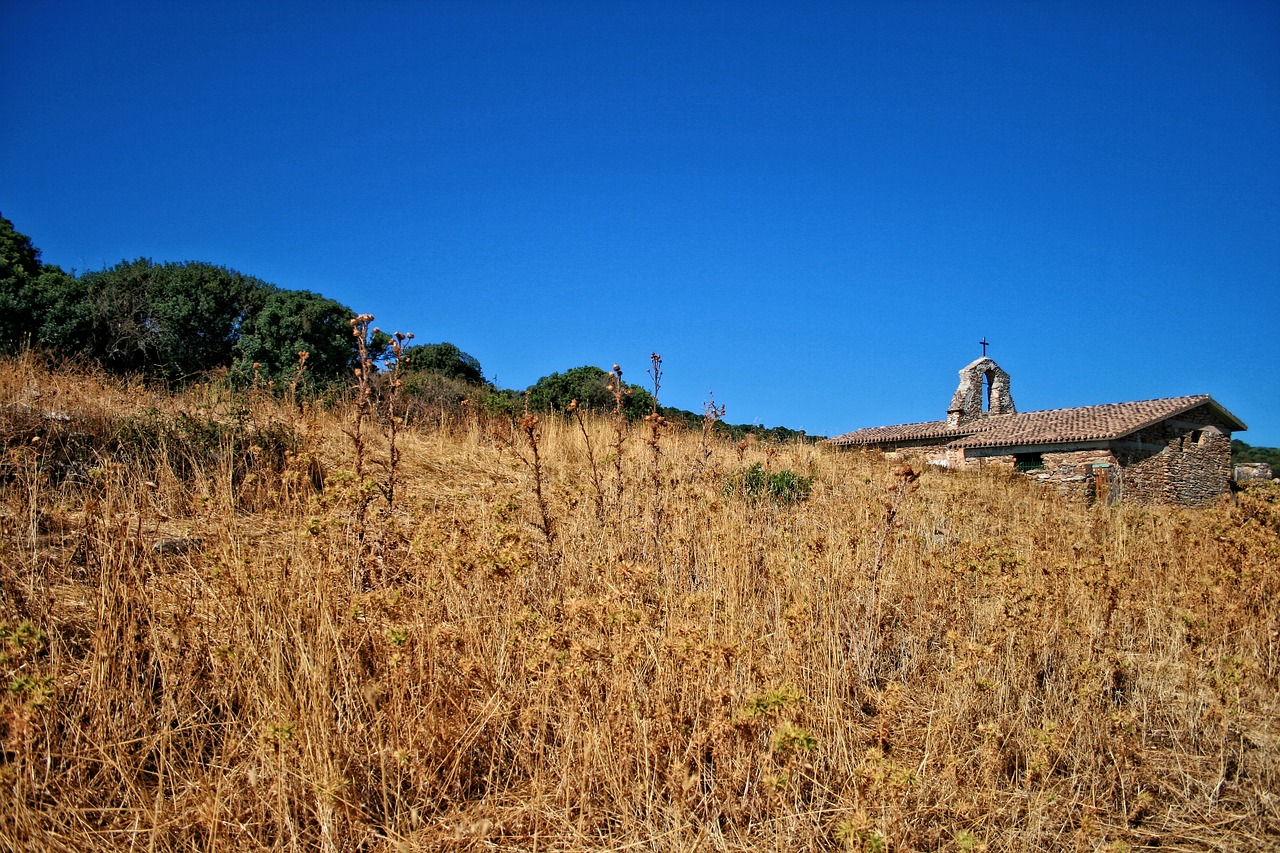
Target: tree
{"points": [[283, 323], [60, 305], [174, 320], [590, 387], [444, 359], [20, 271]]}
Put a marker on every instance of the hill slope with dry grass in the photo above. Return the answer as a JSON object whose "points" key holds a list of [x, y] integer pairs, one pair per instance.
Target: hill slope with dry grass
{"points": [[215, 635]]}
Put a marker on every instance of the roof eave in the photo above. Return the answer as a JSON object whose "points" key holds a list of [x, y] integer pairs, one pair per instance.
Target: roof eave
{"points": [[1222, 410], [1200, 400]]}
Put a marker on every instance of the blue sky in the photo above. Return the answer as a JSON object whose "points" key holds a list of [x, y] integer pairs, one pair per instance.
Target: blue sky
{"points": [[815, 210]]}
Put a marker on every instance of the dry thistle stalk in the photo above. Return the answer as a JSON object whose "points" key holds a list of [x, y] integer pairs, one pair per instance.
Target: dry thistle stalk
{"points": [[527, 427], [298, 370], [361, 411], [656, 423], [394, 386], [533, 437], [363, 408], [576, 410], [619, 392], [711, 415]]}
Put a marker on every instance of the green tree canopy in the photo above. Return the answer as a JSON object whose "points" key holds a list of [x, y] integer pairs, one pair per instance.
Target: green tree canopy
{"points": [[282, 323], [1241, 452], [174, 320], [26, 284], [18, 256], [444, 359], [588, 385]]}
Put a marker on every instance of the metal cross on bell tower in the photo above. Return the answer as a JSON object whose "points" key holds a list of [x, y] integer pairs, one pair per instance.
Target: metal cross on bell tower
{"points": [[984, 345]]}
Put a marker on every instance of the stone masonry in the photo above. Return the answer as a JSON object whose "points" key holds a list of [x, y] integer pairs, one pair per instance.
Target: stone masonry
{"points": [[984, 390]]}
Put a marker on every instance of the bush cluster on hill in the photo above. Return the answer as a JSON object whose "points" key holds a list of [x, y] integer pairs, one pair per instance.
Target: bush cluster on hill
{"points": [[178, 321], [1241, 452], [172, 321]]}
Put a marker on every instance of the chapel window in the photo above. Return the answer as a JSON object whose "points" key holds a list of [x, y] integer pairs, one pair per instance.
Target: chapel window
{"points": [[1028, 461]]}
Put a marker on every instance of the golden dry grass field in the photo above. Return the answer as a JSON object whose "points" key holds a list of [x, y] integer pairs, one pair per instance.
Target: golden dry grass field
{"points": [[626, 643]]}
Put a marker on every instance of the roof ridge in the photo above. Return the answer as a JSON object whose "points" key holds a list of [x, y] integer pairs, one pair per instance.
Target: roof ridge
{"points": [[1094, 422], [1117, 403], [1098, 422]]}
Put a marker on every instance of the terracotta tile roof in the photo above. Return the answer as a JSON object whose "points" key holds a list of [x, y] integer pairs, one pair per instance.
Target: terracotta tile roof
{"points": [[1051, 426], [904, 432], [1084, 423]]}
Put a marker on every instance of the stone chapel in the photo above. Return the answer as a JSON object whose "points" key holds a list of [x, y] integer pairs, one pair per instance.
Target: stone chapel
{"points": [[1175, 450]]}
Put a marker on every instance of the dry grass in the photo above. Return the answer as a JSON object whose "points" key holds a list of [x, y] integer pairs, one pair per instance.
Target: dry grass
{"points": [[1028, 674]]}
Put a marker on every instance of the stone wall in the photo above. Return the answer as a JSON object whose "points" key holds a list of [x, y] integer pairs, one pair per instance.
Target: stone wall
{"points": [[1079, 474], [1086, 474], [930, 454], [1202, 471], [1246, 471], [1184, 461]]}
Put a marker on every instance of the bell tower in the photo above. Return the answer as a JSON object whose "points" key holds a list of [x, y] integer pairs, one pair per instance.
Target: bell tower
{"points": [[983, 391]]}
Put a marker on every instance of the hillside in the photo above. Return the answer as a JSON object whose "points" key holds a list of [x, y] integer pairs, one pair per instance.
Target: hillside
{"points": [[1242, 452], [224, 627]]}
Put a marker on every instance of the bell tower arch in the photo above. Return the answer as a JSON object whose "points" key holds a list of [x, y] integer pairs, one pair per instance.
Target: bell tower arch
{"points": [[983, 391]]}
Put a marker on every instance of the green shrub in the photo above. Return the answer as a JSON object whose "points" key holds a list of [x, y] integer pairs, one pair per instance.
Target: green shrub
{"points": [[781, 487]]}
